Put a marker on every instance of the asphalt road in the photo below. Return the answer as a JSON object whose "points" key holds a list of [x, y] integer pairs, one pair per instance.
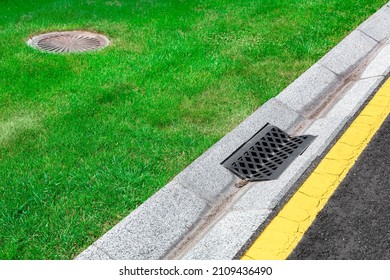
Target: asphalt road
{"points": [[355, 223]]}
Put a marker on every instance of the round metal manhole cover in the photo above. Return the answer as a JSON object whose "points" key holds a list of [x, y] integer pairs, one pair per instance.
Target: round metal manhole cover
{"points": [[69, 41]]}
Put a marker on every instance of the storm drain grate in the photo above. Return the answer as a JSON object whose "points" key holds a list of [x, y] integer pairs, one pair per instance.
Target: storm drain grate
{"points": [[68, 41], [267, 154]]}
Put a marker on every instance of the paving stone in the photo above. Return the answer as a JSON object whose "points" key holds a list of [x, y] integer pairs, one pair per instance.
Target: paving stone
{"points": [[226, 238], [155, 226], [330, 125], [260, 196], [304, 93], [378, 25], [354, 98], [379, 66], [343, 58]]}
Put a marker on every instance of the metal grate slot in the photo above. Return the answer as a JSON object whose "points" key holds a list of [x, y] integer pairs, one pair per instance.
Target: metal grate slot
{"points": [[267, 154]]}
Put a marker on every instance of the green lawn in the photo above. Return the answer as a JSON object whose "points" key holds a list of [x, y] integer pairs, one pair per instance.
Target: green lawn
{"points": [[86, 138]]}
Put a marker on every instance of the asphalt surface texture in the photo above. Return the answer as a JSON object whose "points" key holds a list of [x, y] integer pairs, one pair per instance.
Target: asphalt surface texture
{"points": [[355, 223]]}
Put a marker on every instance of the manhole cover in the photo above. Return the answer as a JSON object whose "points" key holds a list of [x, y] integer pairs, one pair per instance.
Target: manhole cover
{"points": [[69, 41], [267, 154]]}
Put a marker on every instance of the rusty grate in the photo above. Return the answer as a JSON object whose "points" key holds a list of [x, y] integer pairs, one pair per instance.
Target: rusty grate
{"points": [[68, 41], [267, 154]]}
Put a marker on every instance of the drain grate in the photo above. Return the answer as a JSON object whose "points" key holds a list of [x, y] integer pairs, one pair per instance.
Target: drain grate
{"points": [[267, 154], [69, 41]]}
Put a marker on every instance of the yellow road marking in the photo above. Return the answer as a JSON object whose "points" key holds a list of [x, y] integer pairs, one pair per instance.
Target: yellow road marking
{"points": [[284, 232]]}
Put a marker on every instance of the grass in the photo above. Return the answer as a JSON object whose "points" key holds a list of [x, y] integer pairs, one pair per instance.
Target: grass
{"points": [[86, 138]]}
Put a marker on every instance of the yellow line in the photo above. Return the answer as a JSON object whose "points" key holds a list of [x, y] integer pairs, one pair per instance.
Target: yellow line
{"points": [[284, 232]]}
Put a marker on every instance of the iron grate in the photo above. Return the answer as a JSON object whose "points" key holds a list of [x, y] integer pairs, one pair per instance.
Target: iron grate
{"points": [[267, 154], [68, 41]]}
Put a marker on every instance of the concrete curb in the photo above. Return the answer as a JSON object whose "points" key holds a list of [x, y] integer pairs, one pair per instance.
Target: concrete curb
{"points": [[200, 214]]}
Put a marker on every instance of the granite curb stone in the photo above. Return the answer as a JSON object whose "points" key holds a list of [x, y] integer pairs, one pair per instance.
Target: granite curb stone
{"points": [[234, 229], [378, 25], [343, 58], [93, 253], [154, 227], [303, 94]]}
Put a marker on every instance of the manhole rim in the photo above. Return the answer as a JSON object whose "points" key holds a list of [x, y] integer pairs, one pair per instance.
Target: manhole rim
{"points": [[35, 39]]}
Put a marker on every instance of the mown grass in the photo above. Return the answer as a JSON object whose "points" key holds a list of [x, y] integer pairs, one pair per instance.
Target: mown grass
{"points": [[86, 138]]}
